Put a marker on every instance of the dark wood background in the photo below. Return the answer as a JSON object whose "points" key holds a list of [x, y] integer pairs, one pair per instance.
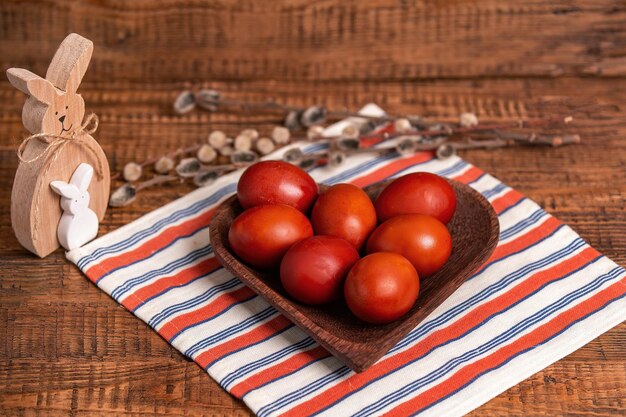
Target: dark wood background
{"points": [[66, 348]]}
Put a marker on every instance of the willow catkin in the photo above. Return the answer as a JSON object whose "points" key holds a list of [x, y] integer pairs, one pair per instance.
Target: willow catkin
{"points": [[308, 162], [280, 135], [292, 121], [164, 165], [185, 102], [226, 150], [350, 131], [243, 157], [123, 196], [468, 120], [132, 171], [206, 154], [188, 167], [445, 151], [251, 133], [402, 125], [218, 139], [293, 156], [313, 115], [406, 146], [243, 142], [202, 179], [336, 158], [314, 132], [347, 143], [208, 99], [264, 145]]}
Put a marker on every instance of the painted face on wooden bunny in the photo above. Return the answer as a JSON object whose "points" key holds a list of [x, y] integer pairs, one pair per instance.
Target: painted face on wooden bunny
{"points": [[65, 113]]}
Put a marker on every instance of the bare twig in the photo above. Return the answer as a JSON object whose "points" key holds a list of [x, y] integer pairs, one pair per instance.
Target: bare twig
{"points": [[159, 179], [534, 139]]}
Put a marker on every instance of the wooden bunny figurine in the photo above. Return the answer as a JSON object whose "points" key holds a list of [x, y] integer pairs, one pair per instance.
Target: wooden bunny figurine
{"points": [[79, 223], [60, 143]]}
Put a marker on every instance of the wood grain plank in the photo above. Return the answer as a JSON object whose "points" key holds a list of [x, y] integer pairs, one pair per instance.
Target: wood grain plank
{"points": [[50, 313], [149, 41]]}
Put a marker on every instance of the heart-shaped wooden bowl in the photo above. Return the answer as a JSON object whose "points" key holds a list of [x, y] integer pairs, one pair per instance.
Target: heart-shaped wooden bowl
{"points": [[474, 229]]}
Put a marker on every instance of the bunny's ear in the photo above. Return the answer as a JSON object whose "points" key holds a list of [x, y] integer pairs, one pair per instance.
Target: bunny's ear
{"points": [[82, 177], [65, 190], [32, 84], [70, 62]]}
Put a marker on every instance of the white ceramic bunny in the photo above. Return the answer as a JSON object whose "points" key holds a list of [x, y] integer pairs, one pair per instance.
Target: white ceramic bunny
{"points": [[78, 224]]}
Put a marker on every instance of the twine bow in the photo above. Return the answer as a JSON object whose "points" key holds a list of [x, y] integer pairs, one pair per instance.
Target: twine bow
{"points": [[57, 142]]}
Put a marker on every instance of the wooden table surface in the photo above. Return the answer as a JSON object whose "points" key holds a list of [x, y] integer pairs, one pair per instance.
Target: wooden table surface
{"points": [[66, 348]]}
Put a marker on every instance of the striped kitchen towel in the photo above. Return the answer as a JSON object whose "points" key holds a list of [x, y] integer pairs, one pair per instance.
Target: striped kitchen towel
{"points": [[543, 294]]}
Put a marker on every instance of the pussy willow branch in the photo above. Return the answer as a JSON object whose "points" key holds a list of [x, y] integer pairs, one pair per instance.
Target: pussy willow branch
{"points": [[178, 152], [497, 129], [276, 106], [469, 143], [159, 179], [519, 124], [413, 133], [441, 144], [534, 139], [341, 114]]}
